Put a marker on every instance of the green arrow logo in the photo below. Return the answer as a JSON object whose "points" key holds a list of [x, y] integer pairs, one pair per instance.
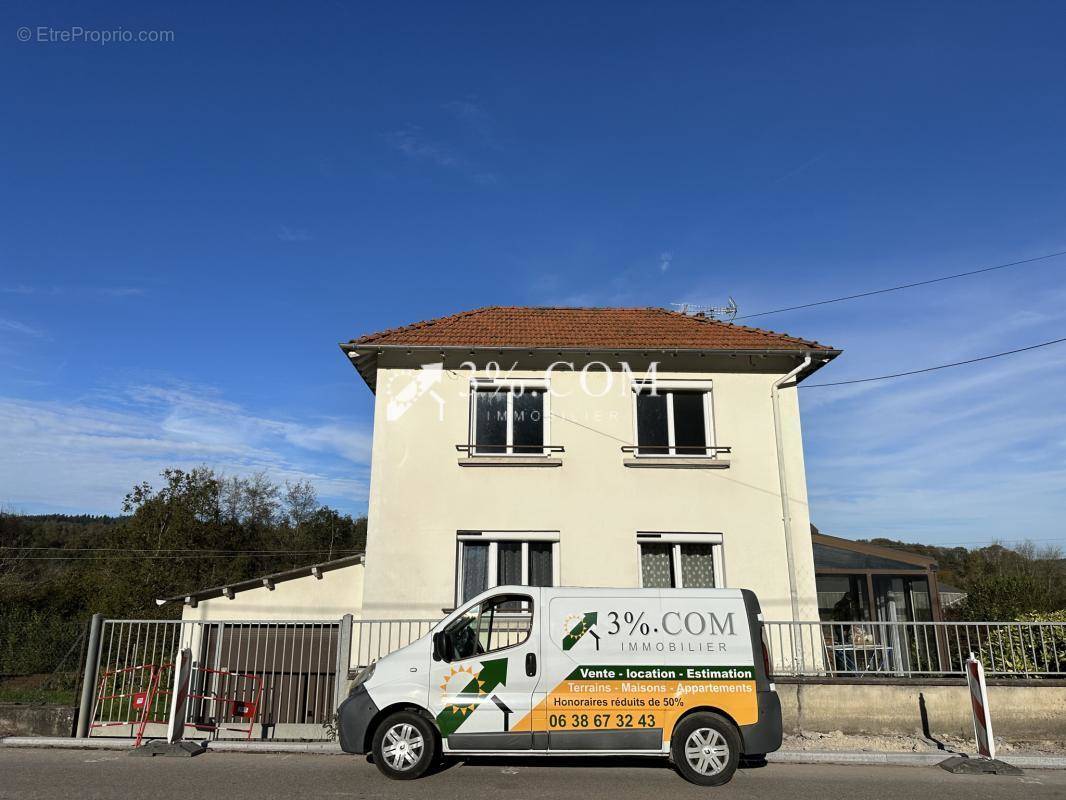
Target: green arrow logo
{"points": [[579, 630], [492, 674]]}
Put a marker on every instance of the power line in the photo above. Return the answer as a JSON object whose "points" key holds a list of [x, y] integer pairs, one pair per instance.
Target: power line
{"points": [[116, 557], [904, 286], [976, 542], [933, 369], [195, 550]]}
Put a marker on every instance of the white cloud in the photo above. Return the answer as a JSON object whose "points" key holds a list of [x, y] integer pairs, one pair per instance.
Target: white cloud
{"points": [[15, 326], [287, 234], [477, 119], [413, 143], [84, 455], [664, 261], [59, 290], [963, 455], [416, 145]]}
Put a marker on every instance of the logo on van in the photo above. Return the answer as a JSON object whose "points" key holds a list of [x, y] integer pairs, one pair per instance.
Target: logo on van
{"points": [[575, 626], [464, 689]]}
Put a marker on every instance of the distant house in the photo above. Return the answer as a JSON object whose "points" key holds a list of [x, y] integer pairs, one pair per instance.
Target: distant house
{"points": [[951, 596], [863, 582]]}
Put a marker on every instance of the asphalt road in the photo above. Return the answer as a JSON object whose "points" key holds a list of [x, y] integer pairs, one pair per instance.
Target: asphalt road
{"points": [[74, 774]]}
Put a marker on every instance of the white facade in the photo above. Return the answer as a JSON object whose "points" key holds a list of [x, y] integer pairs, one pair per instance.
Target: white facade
{"points": [[583, 514]]}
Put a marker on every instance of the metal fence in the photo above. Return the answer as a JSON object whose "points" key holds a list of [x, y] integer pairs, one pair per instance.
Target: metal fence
{"points": [[375, 638], [293, 674], [906, 649], [281, 678]]}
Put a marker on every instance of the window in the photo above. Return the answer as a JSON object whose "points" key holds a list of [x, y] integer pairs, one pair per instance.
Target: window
{"points": [[505, 559], [495, 623], [680, 561], [509, 418], [842, 598], [674, 421]]}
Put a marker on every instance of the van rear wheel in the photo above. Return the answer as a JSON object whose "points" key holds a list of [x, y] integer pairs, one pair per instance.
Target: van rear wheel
{"points": [[705, 749], [405, 746]]}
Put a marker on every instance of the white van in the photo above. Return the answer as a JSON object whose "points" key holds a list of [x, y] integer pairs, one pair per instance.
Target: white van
{"points": [[680, 673]]}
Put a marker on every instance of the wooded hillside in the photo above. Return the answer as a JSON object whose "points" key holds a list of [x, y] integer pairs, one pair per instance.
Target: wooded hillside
{"points": [[196, 530]]}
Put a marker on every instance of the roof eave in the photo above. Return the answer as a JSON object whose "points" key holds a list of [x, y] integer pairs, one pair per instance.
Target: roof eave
{"points": [[262, 581], [363, 355], [869, 548]]}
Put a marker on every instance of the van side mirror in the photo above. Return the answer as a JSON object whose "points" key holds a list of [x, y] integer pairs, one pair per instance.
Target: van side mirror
{"points": [[440, 642]]}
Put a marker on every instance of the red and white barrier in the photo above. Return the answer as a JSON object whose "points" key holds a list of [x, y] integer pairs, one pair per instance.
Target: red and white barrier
{"points": [[982, 719]]}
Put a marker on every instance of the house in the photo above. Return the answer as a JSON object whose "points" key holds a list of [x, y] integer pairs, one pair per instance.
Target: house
{"points": [[951, 596], [585, 446], [567, 446], [863, 582]]}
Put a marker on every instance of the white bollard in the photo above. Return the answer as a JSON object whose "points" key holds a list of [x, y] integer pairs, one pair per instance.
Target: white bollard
{"points": [[982, 718]]}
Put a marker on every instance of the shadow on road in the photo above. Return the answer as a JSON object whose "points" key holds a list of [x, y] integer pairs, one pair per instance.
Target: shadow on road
{"points": [[575, 762]]}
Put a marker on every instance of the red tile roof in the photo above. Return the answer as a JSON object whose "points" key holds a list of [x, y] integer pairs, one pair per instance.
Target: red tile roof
{"points": [[607, 328]]}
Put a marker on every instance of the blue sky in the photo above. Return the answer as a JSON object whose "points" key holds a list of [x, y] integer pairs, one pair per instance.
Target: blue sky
{"points": [[188, 228]]}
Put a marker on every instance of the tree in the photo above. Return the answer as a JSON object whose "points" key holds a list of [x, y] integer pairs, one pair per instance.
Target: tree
{"points": [[231, 498], [260, 500], [301, 502]]}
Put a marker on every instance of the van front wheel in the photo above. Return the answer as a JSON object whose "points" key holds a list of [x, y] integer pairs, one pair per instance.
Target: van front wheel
{"points": [[405, 746], [705, 749]]}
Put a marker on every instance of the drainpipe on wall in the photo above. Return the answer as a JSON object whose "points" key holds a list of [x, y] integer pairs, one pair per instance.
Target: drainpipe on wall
{"points": [[786, 511]]}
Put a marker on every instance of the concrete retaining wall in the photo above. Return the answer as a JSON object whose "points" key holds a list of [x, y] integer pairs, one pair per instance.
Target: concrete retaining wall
{"points": [[32, 720], [1018, 712]]}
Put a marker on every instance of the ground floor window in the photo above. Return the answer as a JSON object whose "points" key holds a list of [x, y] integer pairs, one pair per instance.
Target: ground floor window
{"points": [[846, 597], [842, 598], [490, 559], [680, 561]]}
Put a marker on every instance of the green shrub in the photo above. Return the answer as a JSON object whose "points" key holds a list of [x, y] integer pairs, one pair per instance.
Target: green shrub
{"points": [[35, 641], [1023, 648]]}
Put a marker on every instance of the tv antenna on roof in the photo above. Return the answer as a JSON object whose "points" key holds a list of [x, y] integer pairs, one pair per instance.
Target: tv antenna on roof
{"points": [[721, 313]]}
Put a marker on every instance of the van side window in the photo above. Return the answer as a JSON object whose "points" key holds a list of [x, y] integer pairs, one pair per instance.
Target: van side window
{"points": [[499, 622]]}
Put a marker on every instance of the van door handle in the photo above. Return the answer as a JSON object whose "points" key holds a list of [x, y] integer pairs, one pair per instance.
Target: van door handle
{"points": [[531, 664]]}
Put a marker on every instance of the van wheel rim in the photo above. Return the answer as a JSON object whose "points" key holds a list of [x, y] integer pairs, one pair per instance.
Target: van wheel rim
{"points": [[706, 751], [403, 746]]}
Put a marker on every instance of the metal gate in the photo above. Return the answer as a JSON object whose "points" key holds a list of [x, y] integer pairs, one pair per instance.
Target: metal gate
{"points": [[297, 670]]}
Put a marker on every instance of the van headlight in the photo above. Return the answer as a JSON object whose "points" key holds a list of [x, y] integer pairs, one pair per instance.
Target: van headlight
{"points": [[364, 675]]}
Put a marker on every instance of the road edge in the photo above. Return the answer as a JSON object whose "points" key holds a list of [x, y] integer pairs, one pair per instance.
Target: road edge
{"points": [[842, 757]]}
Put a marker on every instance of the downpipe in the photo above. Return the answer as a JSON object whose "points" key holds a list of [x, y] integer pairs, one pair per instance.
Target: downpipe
{"points": [[786, 510]]}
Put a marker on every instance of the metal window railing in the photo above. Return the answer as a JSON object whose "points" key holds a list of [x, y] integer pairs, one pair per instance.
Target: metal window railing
{"points": [[913, 649], [509, 450], [676, 449]]}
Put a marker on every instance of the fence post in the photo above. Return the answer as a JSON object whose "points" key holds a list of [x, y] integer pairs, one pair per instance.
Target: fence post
{"points": [[88, 682], [344, 659]]}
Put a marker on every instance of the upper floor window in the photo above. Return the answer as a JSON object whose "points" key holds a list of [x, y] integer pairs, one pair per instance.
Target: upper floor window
{"points": [[509, 418], [505, 559], [680, 561], [675, 420]]}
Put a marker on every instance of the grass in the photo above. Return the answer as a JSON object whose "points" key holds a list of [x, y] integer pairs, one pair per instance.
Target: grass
{"points": [[58, 689], [60, 697]]}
